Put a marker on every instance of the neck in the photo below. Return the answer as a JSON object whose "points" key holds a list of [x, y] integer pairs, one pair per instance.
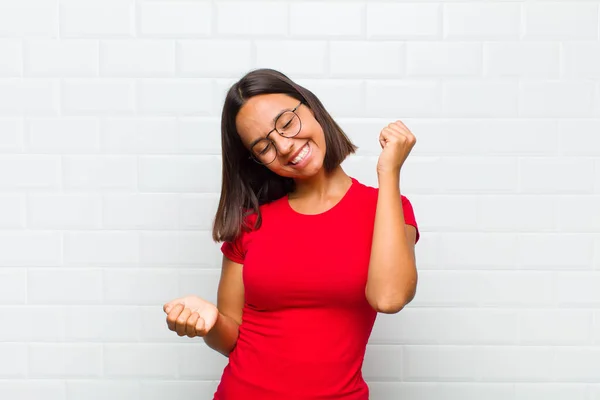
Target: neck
{"points": [[322, 185]]}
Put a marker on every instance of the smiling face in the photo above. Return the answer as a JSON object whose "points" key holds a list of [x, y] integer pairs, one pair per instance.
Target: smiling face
{"points": [[296, 149]]}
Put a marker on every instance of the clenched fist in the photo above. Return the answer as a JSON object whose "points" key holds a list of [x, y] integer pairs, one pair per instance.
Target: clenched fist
{"points": [[191, 316], [397, 141]]}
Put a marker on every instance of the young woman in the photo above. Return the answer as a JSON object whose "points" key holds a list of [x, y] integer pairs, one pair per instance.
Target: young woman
{"points": [[311, 255]]}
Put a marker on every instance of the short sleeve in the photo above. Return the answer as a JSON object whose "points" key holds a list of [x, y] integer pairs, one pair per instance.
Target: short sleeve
{"points": [[409, 215], [234, 250]]}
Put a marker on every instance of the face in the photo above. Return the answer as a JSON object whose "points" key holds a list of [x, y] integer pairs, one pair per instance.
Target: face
{"points": [[271, 131]]}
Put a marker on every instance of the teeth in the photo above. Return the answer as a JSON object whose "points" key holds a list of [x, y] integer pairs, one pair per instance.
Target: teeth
{"points": [[300, 156]]}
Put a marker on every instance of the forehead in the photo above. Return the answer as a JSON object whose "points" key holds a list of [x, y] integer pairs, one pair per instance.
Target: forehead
{"points": [[256, 116]]}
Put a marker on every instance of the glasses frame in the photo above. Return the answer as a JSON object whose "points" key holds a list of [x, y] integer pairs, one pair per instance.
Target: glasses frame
{"points": [[293, 110]]}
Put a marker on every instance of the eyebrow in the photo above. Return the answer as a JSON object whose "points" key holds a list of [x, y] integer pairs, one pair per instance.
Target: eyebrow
{"points": [[274, 119]]}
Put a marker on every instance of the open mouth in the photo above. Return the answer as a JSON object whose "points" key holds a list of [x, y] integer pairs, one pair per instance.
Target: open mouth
{"points": [[301, 155]]}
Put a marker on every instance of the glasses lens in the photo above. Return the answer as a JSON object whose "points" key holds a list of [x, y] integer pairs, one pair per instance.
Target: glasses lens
{"points": [[264, 152], [288, 124]]}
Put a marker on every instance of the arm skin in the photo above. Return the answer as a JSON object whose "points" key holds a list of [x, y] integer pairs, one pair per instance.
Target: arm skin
{"points": [[392, 278], [230, 302]]}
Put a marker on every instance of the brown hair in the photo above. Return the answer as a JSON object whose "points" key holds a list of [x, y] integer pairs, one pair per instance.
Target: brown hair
{"points": [[246, 184]]}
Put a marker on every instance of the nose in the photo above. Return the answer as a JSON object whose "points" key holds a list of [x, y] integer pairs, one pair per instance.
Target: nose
{"points": [[284, 145]]}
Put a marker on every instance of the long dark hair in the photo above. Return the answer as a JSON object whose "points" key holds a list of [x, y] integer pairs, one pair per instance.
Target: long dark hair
{"points": [[246, 184]]}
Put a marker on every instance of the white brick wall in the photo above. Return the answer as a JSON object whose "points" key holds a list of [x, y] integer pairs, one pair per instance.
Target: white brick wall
{"points": [[109, 179]]}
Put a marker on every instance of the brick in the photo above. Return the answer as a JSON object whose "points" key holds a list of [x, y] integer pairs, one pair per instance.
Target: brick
{"points": [[108, 172], [11, 135], [140, 286], [561, 20], [137, 58], [556, 99], [516, 363], [578, 214], [93, 97], [480, 174], [579, 137], [17, 247], [403, 21], [175, 18], [473, 20], [61, 58], [141, 360], [103, 389], [578, 289], [28, 97], [13, 360], [553, 251], [11, 56], [139, 135], [522, 213], [65, 360], [200, 362], [447, 288], [12, 211], [555, 327], [102, 324], [440, 390], [97, 18], [62, 135], [527, 289], [214, 57], [200, 282], [459, 363], [472, 250], [553, 175], [255, 18], [25, 389], [196, 211], [105, 248], [504, 137], [59, 211], [299, 57], [576, 364], [383, 362], [199, 135], [154, 326], [340, 97], [446, 213], [550, 391], [175, 97], [13, 285], [326, 19], [179, 249], [444, 59], [179, 174], [522, 59], [17, 20], [581, 60], [358, 58], [480, 98], [64, 286], [31, 319], [140, 211], [158, 390], [403, 99], [462, 326]]}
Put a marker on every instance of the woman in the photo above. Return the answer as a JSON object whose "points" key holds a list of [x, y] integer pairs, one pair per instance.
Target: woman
{"points": [[311, 255]]}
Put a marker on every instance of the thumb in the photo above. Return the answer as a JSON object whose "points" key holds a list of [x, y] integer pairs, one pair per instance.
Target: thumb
{"points": [[169, 306]]}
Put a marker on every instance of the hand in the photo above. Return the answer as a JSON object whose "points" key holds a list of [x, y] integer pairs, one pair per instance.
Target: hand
{"points": [[397, 141], [191, 316]]}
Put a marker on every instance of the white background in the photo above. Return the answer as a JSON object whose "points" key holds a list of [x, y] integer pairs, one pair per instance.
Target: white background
{"points": [[110, 172]]}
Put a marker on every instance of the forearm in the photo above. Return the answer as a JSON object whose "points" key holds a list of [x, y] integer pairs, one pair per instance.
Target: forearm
{"points": [[392, 276], [224, 335]]}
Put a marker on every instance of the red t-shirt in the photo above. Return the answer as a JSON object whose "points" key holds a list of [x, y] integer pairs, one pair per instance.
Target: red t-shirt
{"points": [[306, 321]]}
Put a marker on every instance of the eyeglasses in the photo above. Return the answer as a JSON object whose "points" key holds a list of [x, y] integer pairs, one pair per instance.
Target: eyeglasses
{"points": [[287, 124]]}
